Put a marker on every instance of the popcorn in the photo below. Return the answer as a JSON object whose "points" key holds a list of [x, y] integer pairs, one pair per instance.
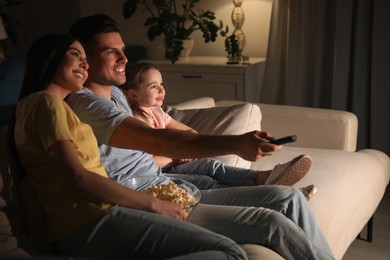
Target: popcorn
{"points": [[172, 192]]}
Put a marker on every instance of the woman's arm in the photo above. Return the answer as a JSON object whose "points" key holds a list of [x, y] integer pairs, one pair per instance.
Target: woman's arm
{"points": [[100, 189]]}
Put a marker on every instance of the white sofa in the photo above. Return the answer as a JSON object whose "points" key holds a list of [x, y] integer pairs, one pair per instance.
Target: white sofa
{"points": [[350, 184]]}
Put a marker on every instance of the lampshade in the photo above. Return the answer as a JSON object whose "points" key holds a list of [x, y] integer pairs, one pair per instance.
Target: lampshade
{"points": [[3, 33]]}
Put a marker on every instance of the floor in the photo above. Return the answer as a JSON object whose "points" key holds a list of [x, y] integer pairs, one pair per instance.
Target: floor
{"points": [[379, 249]]}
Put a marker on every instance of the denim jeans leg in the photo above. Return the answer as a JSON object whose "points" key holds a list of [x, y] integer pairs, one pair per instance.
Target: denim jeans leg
{"points": [[203, 182], [125, 233], [288, 201], [225, 174]]}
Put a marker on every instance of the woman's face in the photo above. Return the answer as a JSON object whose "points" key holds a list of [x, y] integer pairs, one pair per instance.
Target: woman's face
{"points": [[72, 71], [150, 92]]}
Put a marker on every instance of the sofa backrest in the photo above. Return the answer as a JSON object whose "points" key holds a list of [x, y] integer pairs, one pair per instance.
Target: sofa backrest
{"points": [[229, 120], [12, 229], [315, 127]]}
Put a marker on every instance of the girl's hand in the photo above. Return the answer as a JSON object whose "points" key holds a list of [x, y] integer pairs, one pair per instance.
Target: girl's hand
{"points": [[181, 161]]}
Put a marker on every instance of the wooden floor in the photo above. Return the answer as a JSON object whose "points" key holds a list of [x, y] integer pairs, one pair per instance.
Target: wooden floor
{"points": [[379, 249]]}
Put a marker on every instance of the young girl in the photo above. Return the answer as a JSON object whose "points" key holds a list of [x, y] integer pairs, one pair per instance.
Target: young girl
{"points": [[145, 92], [86, 213]]}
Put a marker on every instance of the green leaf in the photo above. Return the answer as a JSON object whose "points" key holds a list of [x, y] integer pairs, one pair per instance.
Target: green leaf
{"points": [[129, 8], [178, 20], [153, 32], [150, 21]]}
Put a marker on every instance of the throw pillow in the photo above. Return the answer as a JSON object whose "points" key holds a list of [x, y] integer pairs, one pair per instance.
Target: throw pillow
{"points": [[230, 120]]}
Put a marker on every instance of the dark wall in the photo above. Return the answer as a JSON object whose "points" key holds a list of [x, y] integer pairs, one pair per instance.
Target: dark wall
{"points": [[39, 17]]}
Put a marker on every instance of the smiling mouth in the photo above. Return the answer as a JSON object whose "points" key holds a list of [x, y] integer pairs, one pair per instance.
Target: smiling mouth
{"points": [[120, 69], [78, 74]]}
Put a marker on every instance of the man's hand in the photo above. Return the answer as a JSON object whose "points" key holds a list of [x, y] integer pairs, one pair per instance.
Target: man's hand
{"points": [[253, 145]]}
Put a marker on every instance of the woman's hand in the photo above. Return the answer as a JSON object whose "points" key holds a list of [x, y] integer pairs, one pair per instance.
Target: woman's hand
{"points": [[169, 209]]}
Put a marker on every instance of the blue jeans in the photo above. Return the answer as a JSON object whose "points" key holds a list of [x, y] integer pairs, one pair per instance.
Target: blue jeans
{"points": [[224, 174], [125, 233], [277, 217]]}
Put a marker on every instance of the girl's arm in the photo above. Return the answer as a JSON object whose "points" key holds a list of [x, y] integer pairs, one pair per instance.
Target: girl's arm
{"points": [[174, 124], [97, 188], [163, 161]]}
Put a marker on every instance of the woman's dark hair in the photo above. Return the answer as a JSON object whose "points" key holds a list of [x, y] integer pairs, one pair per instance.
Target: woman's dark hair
{"points": [[87, 27], [43, 60], [42, 63]]}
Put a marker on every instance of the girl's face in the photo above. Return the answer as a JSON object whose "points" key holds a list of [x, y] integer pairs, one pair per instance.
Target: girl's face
{"points": [[150, 92], [72, 71]]}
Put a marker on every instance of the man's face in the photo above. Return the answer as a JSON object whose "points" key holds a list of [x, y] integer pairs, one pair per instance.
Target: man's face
{"points": [[107, 60]]}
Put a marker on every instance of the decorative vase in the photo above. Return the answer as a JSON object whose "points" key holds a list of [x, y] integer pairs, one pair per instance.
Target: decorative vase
{"points": [[173, 53], [238, 19], [188, 44]]}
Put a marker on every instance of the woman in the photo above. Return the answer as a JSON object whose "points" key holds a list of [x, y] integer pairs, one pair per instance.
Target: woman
{"points": [[86, 213]]}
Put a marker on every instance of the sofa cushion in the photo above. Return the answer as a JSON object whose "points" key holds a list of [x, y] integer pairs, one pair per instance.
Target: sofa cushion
{"points": [[237, 119], [11, 239], [8, 242], [350, 187]]}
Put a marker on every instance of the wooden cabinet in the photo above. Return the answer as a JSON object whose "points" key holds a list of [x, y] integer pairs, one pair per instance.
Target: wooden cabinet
{"points": [[201, 76]]}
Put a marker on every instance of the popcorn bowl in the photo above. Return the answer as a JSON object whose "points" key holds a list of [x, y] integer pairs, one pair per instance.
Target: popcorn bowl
{"points": [[167, 188]]}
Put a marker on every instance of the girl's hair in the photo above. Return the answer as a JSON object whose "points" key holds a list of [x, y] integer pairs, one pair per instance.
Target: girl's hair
{"points": [[43, 60], [134, 73]]}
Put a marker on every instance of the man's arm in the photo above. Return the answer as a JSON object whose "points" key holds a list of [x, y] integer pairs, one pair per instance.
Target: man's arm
{"points": [[135, 134], [113, 124]]}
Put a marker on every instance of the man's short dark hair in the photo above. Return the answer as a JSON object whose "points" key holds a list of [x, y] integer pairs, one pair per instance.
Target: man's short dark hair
{"points": [[87, 27]]}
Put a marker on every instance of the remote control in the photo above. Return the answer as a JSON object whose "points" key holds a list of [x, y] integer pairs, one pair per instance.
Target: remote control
{"points": [[284, 140]]}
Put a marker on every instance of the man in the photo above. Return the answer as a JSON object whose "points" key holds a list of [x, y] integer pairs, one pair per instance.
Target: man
{"points": [[275, 216]]}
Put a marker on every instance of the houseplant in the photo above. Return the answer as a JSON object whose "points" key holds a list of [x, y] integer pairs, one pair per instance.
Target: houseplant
{"points": [[10, 23], [177, 21]]}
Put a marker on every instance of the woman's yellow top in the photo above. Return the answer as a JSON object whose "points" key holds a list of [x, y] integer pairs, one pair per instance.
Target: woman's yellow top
{"points": [[42, 120]]}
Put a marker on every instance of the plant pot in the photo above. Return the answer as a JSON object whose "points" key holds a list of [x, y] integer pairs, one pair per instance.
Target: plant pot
{"points": [[178, 49], [188, 44]]}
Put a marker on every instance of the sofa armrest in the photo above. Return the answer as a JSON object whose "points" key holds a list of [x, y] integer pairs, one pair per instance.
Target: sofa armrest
{"points": [[315, 127]]}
